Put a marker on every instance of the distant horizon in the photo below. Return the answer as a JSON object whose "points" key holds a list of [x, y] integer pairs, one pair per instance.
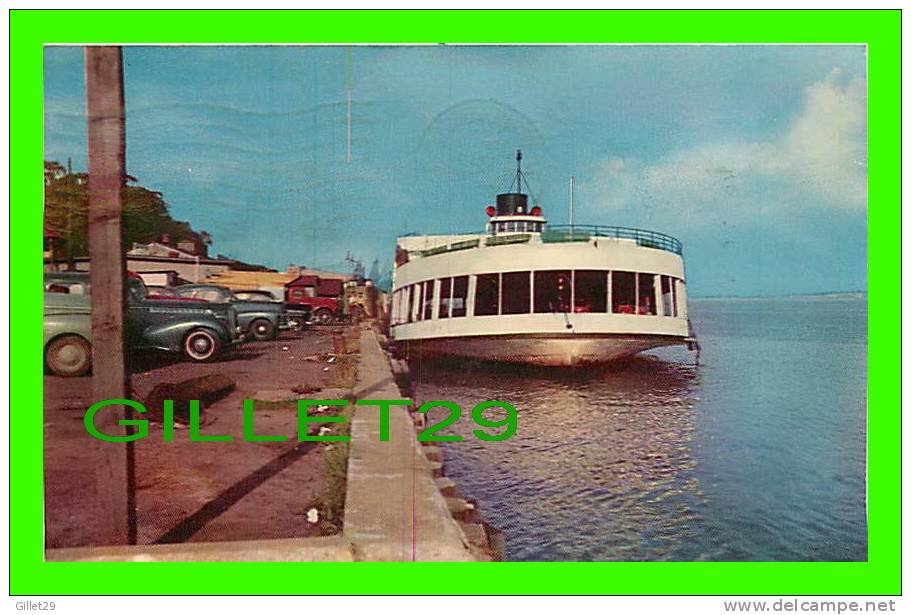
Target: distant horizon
{"points": [[834, 293]]}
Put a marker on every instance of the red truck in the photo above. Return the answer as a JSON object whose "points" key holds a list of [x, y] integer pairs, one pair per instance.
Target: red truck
{"points": [[319, 297]]}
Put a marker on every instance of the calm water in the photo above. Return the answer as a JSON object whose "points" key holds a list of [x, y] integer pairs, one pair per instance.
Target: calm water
{"points": [[756, 454]]}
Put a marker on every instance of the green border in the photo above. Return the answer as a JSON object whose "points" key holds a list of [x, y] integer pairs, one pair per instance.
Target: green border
{"points": [[880, 30]]}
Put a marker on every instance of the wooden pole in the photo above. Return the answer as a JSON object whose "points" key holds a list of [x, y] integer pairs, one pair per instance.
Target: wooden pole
{"points": [[70, 265], [107, 151]]}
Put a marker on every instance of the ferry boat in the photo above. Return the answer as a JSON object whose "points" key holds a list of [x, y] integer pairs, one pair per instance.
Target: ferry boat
{"points": [[528, 292]]}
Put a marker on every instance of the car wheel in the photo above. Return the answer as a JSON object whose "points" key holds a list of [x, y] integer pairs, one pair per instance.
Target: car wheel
{"points": [[261, 330], [201, 345], [323, 316], [69, 355]]}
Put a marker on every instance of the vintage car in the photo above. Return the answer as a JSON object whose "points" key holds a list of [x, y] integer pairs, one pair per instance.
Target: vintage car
{"points": [[261, 320], [256, 295], [298, 316], [165, 292], [199, 331]]}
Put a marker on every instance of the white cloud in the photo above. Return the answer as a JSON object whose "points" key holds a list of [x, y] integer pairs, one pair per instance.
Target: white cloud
{"points": [[819, 161]]}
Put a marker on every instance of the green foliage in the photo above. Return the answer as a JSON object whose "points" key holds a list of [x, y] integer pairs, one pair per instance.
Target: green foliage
{"points": [[145, 213]]}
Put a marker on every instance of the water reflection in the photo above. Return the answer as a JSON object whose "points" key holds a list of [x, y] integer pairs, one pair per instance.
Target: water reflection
{"points": [[600, 467]]}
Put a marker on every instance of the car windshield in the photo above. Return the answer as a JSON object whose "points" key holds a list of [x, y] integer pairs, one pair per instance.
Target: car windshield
{"points": [[67, 287], [137, 288], [255, 295]]}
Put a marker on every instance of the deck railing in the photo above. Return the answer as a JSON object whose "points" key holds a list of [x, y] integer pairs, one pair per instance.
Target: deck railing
{"points": [[583, 232], [559, 233]]}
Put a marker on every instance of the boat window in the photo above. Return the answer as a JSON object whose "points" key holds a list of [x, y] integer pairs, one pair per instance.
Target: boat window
{"points": [[553, 291], [591, 291], [428, 299], [406, 304], [647, 294], [412, 301], [623, 292], [517, 292], [487, 295], [459, 296], [667, 296], [445, 297], [679, 287]]}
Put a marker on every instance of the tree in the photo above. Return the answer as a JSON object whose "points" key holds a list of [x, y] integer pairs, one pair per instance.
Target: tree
{"points": [[145, 213]]}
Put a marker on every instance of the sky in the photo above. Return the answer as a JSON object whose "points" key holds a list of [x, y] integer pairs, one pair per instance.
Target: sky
{"points": [[753, 156]]}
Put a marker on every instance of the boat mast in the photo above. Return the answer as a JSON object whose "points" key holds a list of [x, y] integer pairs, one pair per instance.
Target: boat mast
{"points": [[518, 171]]}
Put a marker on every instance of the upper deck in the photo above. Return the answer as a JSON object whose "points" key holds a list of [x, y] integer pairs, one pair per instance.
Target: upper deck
{"points": [[433, 245]]}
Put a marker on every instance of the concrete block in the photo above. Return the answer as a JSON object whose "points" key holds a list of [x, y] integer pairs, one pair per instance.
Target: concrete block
{"points": [[446, 486], [462, 510], [436, 469], [433, 453], [475, 534]]}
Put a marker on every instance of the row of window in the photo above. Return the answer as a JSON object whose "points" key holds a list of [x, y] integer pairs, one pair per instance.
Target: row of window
{"points": [[522, 226], [539, 292]]}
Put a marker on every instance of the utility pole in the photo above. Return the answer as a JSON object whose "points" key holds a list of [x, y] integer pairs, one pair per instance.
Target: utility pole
{"points": [[113, 462], [572, 182], [572, 194], [69, 215]]}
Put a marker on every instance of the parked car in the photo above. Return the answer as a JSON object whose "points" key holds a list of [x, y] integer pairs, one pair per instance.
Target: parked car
{"points": [[261, 320], [256, 295], [298, 316], [198, 331], [166, 292]]}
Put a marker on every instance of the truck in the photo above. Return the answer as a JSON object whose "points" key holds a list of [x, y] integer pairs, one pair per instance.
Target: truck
{"points": [[319, 298]]}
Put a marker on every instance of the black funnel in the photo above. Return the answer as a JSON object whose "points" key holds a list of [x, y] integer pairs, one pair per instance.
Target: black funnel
{"points": [[512, 203]]}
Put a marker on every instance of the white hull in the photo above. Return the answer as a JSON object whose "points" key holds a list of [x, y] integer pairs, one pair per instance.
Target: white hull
{"points": [[545, 350]]}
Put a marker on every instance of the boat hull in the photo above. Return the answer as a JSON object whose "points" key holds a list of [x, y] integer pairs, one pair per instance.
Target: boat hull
{"points": [[539, 349]]}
